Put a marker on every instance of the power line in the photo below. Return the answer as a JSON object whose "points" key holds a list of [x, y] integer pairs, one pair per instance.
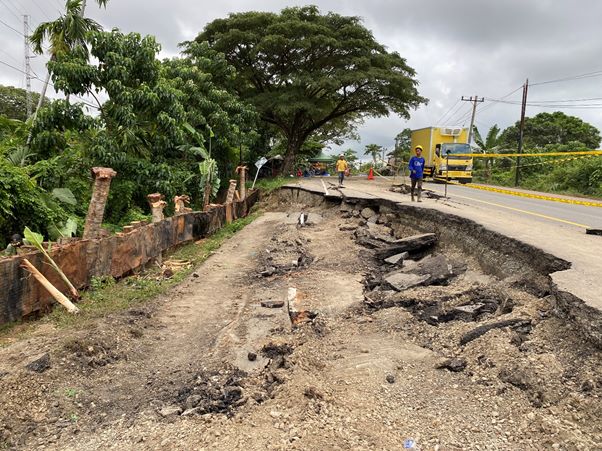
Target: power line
{"points": [[8, 26], [16, 15], [11, 66], [489, 105], [440, 121], [597, 73], [41, 10], [457, 114], [551, 105], [10, 56]]}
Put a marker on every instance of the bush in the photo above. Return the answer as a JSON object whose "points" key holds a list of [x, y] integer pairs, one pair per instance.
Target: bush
{"points": [[23, 203]]}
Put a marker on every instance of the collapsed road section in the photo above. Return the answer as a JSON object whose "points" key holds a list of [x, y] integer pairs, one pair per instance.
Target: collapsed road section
{"points": [[323, 324]]}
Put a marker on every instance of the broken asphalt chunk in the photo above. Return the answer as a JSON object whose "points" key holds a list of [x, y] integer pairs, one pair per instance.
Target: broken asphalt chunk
{"points": [[271, 303], [415, 243], [482, 330], [397, 259]]}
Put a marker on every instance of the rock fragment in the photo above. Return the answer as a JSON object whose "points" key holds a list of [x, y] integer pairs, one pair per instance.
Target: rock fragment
{"points": [[454, 364], [367, 213], [170, 411], [40, 364], [397, 259], [402, 281]]}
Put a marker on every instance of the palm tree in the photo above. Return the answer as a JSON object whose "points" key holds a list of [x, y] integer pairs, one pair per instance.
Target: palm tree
{"points": [[64, 34], [490, 145], [374, 150]]}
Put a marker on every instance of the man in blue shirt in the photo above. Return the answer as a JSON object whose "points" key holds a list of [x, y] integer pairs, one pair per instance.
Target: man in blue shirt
{"points": [[416, 167]]}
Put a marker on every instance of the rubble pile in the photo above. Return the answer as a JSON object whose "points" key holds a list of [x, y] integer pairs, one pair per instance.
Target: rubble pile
{"points": [[494, 331], [284, 256]]}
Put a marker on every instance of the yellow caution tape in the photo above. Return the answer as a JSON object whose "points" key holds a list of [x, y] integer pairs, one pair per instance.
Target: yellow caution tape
{"points": [[505, 155], [529, 195]]}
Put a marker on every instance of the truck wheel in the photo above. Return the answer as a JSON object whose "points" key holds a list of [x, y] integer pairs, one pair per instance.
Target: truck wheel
{"points": [[464, 181]]}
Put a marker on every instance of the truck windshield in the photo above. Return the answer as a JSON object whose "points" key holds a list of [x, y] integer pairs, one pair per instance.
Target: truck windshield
{"points": [[451, 149]]}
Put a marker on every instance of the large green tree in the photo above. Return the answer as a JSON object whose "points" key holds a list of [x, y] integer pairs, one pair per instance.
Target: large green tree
{"points": [[13, 102], [403, 143], [552, 128], [303, 69]]}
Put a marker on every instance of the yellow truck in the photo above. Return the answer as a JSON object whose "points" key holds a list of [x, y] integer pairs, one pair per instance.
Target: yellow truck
{"points": [[439, 145]]}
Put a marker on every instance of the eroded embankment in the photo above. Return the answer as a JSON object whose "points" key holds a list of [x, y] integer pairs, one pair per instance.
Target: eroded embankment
{"points": [[526, 266]]}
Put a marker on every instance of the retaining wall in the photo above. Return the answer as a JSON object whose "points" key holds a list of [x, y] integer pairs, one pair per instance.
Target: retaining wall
{"points": [[118, 255]]}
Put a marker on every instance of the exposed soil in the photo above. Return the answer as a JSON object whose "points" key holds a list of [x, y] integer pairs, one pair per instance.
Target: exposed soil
{"points": [[462, 359]]}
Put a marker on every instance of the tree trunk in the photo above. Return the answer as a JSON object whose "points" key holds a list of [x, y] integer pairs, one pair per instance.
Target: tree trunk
{"points": [[292, 149]]}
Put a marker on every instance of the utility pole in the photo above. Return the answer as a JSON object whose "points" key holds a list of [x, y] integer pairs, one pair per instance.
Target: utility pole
{"points": [[521, 130], [27, 65], [474, 101]]}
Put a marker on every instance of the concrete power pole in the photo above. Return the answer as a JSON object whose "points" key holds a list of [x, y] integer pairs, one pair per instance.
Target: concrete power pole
{"points": [[521, 130], [27, 65], [474, 101]]}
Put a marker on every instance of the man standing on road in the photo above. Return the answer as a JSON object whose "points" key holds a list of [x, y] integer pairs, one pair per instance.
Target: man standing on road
{"points": [[416, 167], [342, 166]]}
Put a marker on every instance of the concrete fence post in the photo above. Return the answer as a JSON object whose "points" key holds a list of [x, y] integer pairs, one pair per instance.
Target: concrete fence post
{"points": [[231, 190], [96, 209], [242, 172], [180, 203], [157, 205]]}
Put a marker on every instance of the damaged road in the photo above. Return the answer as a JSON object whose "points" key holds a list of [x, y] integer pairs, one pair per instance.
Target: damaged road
{"points": [[345, 329]]}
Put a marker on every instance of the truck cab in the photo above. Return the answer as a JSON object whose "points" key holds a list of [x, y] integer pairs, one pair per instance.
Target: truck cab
{"points": [[441, 147], [448, 165]]}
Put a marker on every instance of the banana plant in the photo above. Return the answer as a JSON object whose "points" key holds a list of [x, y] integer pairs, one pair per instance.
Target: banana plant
{"points": [[37, 240], [209, 180], [208, 169]]}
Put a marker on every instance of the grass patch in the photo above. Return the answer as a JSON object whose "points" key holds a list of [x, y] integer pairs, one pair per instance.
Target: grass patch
{"points": [[268, 185], [107, 295]]}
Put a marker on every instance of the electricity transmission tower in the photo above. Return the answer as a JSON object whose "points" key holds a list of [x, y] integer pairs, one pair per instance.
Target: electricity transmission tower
{"points": [[27, 65]]}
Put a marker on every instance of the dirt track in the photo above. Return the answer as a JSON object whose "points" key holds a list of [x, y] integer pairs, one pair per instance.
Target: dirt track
{"points": [[356, 377]]}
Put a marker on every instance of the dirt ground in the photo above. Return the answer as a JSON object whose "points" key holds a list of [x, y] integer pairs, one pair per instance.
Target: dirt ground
{"points": [[207, 366]]}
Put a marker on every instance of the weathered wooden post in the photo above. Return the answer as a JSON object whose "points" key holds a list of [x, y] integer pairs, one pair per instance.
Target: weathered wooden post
{"points": [[96, 209], [157, 205]]}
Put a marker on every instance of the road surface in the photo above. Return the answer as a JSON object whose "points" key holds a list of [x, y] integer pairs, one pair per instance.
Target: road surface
{"points": [[544, 210]]}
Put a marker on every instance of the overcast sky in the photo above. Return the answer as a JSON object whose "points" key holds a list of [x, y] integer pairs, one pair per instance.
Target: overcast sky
{"points": [[458, 48]]}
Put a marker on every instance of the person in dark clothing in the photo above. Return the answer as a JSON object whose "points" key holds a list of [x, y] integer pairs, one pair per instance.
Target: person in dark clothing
{"points": [[416, 167]]}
